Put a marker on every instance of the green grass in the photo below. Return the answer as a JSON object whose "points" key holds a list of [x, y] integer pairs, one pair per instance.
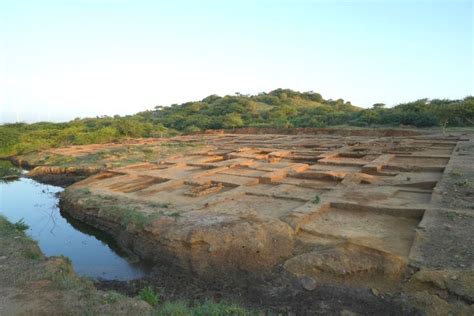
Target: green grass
{"points": [[64, 281], [114, 157], [160, 205], [63, 274], [208, 308], [451, 215], [112, 297], [8, 229], [464, 183], [85, 191], [149, 295], [111, 207], [33, 252], [21, 225], [8, 170], [27, 247], [316, 200], [178, 308], [126, 212], [173, 214], [71, 294], [60, 160], [177, 144]]}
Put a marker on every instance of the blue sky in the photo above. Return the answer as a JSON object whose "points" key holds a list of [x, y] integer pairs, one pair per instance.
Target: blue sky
{"points": [[65, 59]]}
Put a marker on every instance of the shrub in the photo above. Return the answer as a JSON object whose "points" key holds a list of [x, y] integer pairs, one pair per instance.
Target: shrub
{"points": [[316, 200], [210, 308], [149, 295], [21, 225], [179, 308], [32, 252], [113, 296]]}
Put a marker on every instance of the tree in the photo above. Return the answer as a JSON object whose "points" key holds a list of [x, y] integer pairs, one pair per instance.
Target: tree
{"points": [[377, 106], [232, 120], [131, 127]]}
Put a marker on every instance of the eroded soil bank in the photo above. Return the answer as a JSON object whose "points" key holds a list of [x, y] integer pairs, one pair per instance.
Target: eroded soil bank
{"points": [[92, 253], [340, 223], [32, 284], [271, 290]]}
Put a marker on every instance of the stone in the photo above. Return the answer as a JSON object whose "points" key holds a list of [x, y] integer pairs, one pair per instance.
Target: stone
{"points": [[308, 283]]}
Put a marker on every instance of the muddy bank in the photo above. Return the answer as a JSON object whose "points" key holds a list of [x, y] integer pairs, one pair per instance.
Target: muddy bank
{"points": [[32, 284], [8, 171], [59, 291], [244, 250], [276, 290], [271, 290], [61, 176], [275, 297], [20, 163], [54, 175]]}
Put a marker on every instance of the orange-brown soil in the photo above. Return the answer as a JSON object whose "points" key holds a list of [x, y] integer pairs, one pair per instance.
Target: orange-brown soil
{"points": [[355, 209]]}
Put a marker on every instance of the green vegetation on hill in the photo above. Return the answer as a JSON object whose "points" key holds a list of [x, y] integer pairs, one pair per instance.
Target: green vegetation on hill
{"points": [[286, 108], [281, 108]]}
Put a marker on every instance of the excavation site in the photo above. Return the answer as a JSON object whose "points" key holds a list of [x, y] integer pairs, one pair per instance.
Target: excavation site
{"points": [[236, 158], [383, 217]]}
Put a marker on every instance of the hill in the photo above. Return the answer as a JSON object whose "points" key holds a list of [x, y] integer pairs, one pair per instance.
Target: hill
{"points": [[281, 108]]}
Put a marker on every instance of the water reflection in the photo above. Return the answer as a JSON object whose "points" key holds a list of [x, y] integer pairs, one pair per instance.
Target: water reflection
{"points": [[93, 253]]}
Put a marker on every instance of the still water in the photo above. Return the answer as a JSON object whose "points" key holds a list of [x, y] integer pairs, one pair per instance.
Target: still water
{"points": [[93, 254]]}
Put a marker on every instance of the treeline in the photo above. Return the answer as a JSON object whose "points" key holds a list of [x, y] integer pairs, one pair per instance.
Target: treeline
{"points": [[21, 138], [286, 108], [281, 108]]}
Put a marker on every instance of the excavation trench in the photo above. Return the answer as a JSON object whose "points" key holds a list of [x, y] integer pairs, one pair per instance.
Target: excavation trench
{"points": [[249, 222], [96, 255]]}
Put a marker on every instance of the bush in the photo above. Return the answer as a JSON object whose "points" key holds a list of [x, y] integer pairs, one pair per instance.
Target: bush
{"points": [[210, 308], [7, 169], [113, 296], [26, 147], [103, 135], [21, 225], [149, 295], [191, 129], [179, 308]]}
